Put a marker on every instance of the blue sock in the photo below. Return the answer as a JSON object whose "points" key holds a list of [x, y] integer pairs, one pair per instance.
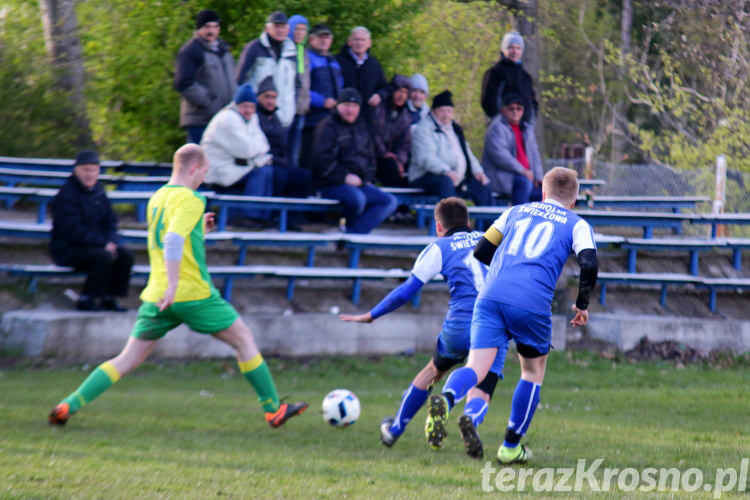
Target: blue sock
{"points": [[458, 385], [412, 401], [476, 409], [525, 401]]}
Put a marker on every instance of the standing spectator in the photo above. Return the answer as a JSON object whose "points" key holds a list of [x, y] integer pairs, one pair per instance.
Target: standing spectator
{"points": [[238, 152], [362, 71], [511, 155], [507, 77], [325, 83], [417, 103], [203, 76], [442, 163], [344, 166], [393, 134], [84, 236], [298, 34], [273, 54], [287, 179]]}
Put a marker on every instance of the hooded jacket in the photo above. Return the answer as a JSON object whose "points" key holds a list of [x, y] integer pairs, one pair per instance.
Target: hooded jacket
{"points": [[392, 131], [258, 61], [342, 148]]}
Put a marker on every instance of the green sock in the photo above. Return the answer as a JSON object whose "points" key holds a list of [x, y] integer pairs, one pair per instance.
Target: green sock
{"points": [[95, 384], [257, 373]]}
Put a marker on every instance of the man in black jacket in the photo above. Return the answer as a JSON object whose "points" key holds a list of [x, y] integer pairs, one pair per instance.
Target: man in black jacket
{"points": [[84, 236], [362, 71], [508, 77], [287, 180], [344, 166]]}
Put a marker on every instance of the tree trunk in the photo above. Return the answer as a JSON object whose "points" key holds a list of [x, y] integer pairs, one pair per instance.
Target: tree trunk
{"points": [[64, 48], [619, 128]]}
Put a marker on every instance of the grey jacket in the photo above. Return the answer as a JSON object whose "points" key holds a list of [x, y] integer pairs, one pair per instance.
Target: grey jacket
{"points": [[205, 80], [499, 157]]}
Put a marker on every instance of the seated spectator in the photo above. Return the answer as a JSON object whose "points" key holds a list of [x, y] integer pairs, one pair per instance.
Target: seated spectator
{"points": [[507, 77], [344, 165], [325, 83], [84, 236], [511, 156], [417, 103], [393, 134], [442, 163], [239, 154], [287, 180]]}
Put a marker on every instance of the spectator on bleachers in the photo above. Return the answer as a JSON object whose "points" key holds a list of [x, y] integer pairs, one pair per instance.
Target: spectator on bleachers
{"points": [[325, 83], [442, 163], [511, 156], [392, 134], [84, 236], [344, 165], [417, 103], [274, 54], [362, 71], [239, 154], [298, 26], [508, 76], [203, 76], [287, 179]]}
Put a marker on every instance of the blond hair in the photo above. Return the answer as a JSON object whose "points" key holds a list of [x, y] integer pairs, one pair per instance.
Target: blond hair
{"points": [[187, 156], [561, 184]]}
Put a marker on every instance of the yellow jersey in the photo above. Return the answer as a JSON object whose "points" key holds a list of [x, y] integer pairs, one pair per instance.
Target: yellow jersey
{"points": [[177, 209]]}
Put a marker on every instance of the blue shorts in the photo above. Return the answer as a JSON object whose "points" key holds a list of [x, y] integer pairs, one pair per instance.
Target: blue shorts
{"points": [[452, 344], [495, 324]]}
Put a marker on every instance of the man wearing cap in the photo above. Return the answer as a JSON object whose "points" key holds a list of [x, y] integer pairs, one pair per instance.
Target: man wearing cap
{"points": [[508, 76], [344, 166], [511, 156], [288, 180], [362, 71], [392, 134], [442, 163], [325, 83], [273, 54], [238, 154], [203, 76], [298, 27], [417, 103], [84, 236]]}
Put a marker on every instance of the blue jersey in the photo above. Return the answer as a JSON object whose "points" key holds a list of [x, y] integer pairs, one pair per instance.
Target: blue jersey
{"points": [[453, 257], [537, 239]]}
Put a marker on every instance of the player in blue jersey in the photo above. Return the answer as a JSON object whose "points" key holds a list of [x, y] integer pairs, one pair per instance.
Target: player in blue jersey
{"points": [[526, 249], [450, 255]]}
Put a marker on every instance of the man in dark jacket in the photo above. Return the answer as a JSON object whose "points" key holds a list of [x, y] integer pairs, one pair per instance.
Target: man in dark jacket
{"points": [[362, 71], [84, 236], [508, 77], [393, 134], [204, 76], [287, 180], [344, 166]]}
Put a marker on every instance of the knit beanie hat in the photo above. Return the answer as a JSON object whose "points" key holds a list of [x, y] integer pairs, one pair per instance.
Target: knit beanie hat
{"points": [[206, 16], [245, 93], [400, 82], [419, 82], [444, 98], [510, 38], [350, 94], [87, 158], [266, 85]]}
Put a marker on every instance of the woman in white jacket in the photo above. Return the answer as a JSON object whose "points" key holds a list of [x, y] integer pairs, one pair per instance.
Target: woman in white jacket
{"points": [[238, 152]]}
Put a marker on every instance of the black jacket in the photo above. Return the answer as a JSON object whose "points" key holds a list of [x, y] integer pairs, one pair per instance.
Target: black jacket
{"points": [[368, 79], [508, 77], [277, 135], [342, 148], [81, 218]]}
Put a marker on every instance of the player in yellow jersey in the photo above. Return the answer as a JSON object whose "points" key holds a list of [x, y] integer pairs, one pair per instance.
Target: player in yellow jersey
{"points": [[179, 290]]}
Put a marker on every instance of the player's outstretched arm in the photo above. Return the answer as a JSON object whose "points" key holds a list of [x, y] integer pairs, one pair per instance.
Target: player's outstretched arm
{"points": [[589, 269], [398, 297]]}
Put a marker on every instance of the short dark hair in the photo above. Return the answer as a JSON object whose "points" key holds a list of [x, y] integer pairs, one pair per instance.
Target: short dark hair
{"points": [[451, 213]]}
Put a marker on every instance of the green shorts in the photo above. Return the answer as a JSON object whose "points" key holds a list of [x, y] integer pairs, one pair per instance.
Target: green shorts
{"points": [[210, 316]]}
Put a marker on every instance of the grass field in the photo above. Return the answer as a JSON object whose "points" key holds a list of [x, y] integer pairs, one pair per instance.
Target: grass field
{"points": [[194, 430]]}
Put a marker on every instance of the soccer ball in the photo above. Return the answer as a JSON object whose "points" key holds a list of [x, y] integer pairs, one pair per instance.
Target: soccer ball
{"points": [[340, 408]]}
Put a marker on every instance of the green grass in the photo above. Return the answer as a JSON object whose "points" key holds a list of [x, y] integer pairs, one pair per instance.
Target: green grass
{"points": [[194, 430]]}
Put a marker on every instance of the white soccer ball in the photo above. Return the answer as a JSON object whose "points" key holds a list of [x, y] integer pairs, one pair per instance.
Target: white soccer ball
{"points": [[340, 408]]}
